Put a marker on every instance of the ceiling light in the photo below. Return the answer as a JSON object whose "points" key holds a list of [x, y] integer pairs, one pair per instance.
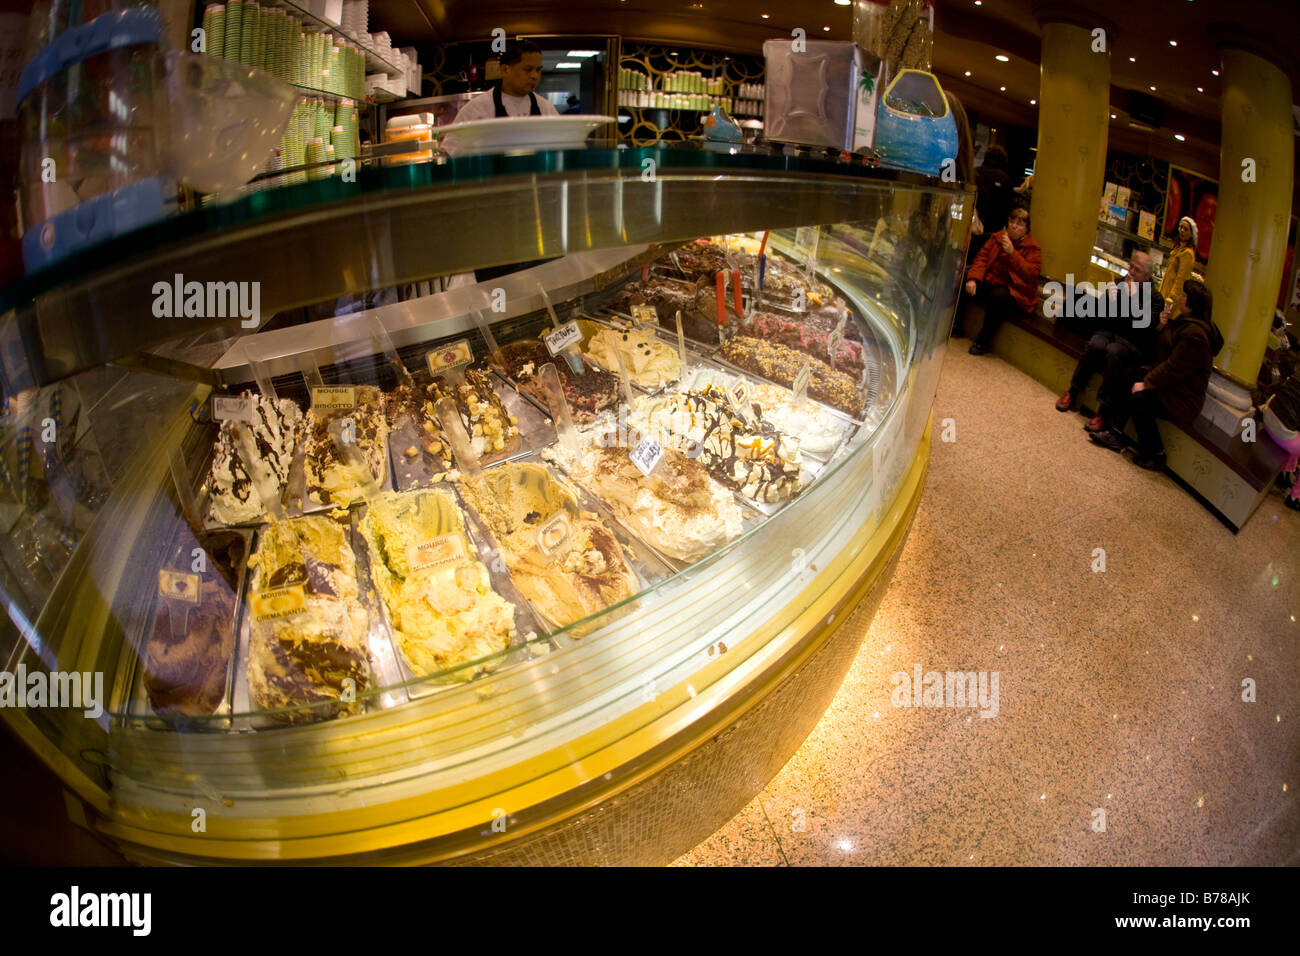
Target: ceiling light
{"points": [[842, 3], [1173, 43], [1033, 102], [583, 54], [1200, 89], [1180, 137], [1002, 58], [1215, 72], [1113, 116], [1153, 89], [767, 16], [1132, 59], [827, 29], [979, 3], [968, 72], [568, 65], [1004, 89]]}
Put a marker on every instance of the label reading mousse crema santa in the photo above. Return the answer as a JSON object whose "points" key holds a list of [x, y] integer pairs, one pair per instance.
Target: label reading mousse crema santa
{"points": [[273, 604]]}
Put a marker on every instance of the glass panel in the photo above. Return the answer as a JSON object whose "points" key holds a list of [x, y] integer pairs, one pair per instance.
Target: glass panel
{"points": [[139, 544]]}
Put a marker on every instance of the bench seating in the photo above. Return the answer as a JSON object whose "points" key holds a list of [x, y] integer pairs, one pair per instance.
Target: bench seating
{"points": [[1229, 476]]}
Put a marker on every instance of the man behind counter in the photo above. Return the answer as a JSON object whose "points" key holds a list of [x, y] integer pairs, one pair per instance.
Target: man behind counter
{"points": [[521, 71]]}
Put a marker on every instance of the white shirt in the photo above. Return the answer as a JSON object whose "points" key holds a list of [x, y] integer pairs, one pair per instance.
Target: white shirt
{"points": [[481, 107]]}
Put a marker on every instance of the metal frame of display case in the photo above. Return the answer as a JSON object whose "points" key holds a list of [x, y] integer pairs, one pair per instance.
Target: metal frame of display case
{"points": [[629, 743]]}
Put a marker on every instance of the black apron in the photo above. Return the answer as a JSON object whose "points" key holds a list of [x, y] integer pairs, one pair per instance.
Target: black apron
{"points": [[501, 107]]}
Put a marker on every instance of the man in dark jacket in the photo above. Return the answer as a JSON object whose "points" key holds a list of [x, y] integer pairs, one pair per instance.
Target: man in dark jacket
{"points": [[1174, 387], [1124, 330]]}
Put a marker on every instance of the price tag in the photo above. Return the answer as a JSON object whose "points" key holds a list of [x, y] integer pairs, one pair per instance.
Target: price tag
{"points": [[553, 533], [276, 603], [801, 382], [560, 339], [232, 408], [646, 455], [456, 354], [645, 315], [738, 396], [445, 549], [333, 396], [179, 586]]}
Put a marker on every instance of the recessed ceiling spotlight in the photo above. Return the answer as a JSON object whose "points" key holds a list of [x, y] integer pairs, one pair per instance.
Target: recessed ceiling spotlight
{"points": [[767, 16], [968, 72], [979, 3], [1153, 89], [1132, 59], [1002, 58], [1180, 137], [1004, 89], [827, 29], [1033, 102], [842, 3], [1200, 89], [1113, 116], [1215, 72], [1173, 43]]}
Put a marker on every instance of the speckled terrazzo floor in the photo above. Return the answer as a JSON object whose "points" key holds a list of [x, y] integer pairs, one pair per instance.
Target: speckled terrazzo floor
{"points": [[1118, 691]]}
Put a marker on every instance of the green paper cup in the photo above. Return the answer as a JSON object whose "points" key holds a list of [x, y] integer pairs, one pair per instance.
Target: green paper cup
{"points": [[234, 29]]}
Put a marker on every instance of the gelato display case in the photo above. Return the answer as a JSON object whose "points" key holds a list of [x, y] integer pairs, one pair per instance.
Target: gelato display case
{"points": [[559, 565]]}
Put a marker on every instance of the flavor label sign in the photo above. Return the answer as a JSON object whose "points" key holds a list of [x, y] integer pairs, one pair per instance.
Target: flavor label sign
{"points": [[738, 396], [645, 315], [327, 397], [560, 339], [646, 455], [179, 586], [553, 533], [456, 354], [231, 408], [276, 603], [445, 549], [801, 382]]}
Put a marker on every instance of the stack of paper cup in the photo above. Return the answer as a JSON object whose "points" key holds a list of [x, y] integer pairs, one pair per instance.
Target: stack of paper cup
{"points": [[316, 154], [234, 30], [214, 29]]}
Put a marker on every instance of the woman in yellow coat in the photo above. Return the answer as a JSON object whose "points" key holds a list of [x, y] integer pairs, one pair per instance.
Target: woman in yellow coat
{"points": [[1179, 265]]}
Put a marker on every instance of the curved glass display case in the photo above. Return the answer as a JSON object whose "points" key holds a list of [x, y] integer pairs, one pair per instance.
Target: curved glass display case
{"points": [[417, 596]]}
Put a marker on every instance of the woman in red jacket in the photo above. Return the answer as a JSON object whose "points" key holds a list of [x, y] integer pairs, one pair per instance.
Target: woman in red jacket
{"points": [[1005, 276]]}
